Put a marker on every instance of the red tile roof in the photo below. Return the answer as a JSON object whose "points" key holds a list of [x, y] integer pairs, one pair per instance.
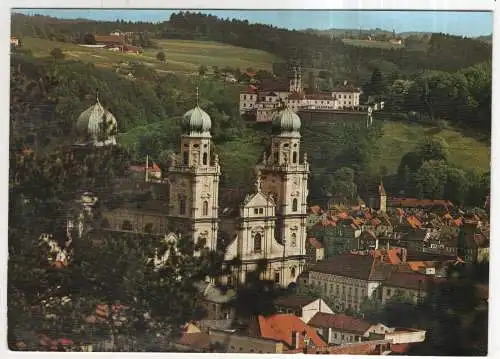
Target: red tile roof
{"points": [[315, 243], [414, 202], [401, 348], [281, 327], [141, 169], [351, 265], [199, 341], [340, 322], [296, 96], [405, 280]]}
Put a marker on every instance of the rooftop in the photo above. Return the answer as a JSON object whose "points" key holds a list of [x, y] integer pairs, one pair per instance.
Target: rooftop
{"points": [[283, 327], [295, 300], [341, 322], [352, 265]]}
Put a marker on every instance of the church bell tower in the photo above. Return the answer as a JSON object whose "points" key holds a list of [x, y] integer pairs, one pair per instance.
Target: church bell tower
{"points": [[194, 180]]}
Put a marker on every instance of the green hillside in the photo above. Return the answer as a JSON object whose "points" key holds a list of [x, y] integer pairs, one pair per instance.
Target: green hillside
{"points": [[401, 137], [184, 56]]}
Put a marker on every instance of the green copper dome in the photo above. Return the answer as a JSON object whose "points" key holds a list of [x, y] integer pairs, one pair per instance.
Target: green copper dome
{"points": [[196, 122], [286, 122], [97, 126]]}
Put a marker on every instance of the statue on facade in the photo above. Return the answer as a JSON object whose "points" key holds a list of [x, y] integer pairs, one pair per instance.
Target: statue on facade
{"points": [[216, 159], [369, 119], [264, 158], [258, 182]]}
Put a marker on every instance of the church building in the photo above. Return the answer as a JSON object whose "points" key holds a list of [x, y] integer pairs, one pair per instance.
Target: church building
{"points": [[270, 223]]}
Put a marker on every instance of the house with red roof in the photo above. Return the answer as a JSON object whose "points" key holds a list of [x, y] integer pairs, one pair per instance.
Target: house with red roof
{"points": [[289, 329], [340, 328], [315, 251]]}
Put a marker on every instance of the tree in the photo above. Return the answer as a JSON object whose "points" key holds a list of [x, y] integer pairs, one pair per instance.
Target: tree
{"points": [[433, 148], [57, 53], [160, 56], [457, 185], [377, 83], [202, 70], [431, 179], [89, 39], [109, 269]]}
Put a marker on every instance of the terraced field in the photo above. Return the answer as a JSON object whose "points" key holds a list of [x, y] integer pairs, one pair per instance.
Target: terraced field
{"points": [[181, 55]]}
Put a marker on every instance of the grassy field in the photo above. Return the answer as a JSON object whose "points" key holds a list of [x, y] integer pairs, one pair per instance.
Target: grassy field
{"points": [[371, 43], [400, 137], [182, 56]]}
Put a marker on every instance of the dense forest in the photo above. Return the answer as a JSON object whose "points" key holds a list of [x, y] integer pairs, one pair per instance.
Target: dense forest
{"points": [[445, 52]]}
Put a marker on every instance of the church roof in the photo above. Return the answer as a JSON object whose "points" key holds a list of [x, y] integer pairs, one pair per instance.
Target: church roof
{"points": [[286, 122], [196, 122], [96, 124]]}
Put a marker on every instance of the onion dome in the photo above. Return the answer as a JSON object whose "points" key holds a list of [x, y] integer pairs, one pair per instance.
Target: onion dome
{"points": [[286, 122], [97, 126], [196, 122]]}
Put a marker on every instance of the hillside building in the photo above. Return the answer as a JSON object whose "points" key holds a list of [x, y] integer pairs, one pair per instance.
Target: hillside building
{"points": [[265, 103]]}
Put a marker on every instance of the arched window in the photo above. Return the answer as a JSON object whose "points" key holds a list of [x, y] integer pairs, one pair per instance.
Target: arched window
{"points": [[148, 228], [127, 225], [182, 205], [294, 157], [105, 223], [205, 208], [205, 158], [293, 241], [295, 205], [185, 158], [292, 272], [257, 242]]}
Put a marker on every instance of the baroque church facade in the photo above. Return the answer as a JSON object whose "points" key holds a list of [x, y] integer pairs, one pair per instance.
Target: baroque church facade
{"points": [[270, 223]]}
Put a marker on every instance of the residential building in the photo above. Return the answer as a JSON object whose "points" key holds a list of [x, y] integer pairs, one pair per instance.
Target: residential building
{"points": [[227, 342], [217, 302], [340, 328], [288, 329], [346, 96], [338, 236], [348, 278], [15, 42], [315, 251], [266, 102], [303, 306], [410, 285]]}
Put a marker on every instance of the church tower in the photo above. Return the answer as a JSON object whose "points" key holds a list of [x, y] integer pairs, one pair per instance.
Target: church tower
{"points": [[296, 81], [284, 176], [193, 178]]}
